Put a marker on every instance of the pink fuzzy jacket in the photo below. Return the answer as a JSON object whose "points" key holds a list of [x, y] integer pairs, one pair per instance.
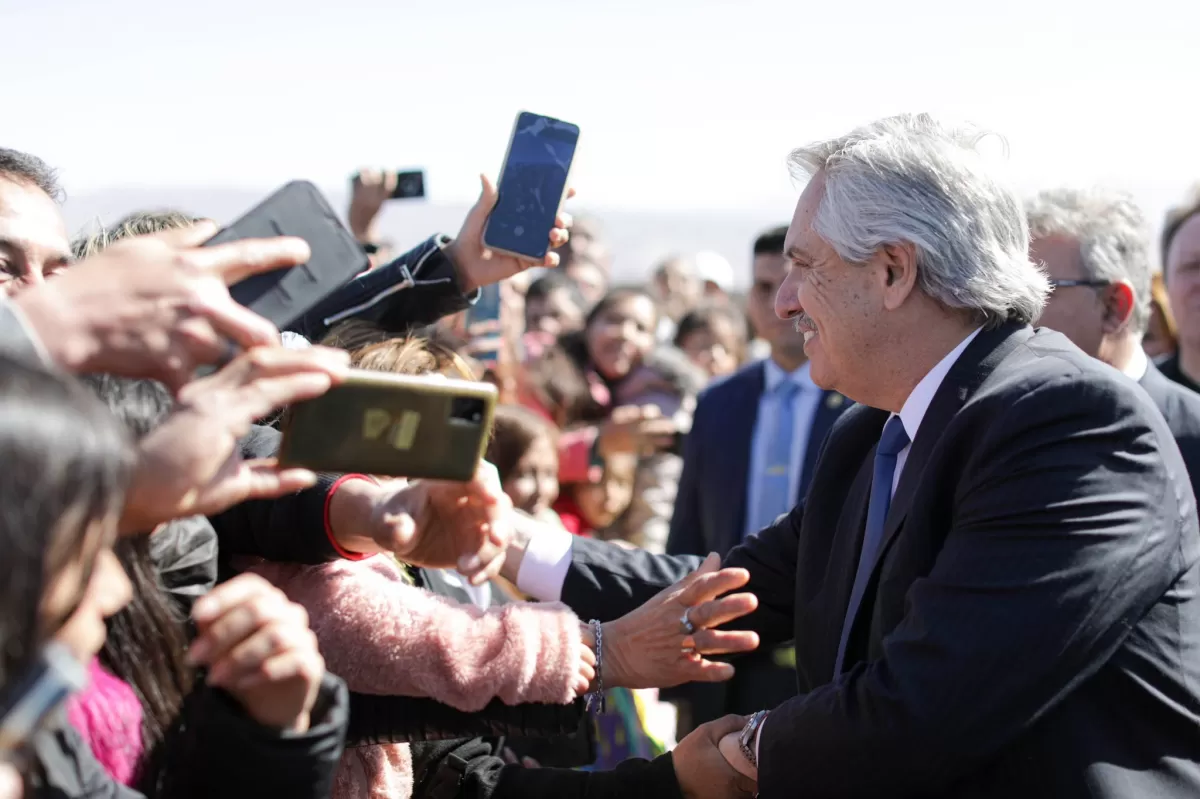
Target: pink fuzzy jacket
{"points": [[384, 636]]}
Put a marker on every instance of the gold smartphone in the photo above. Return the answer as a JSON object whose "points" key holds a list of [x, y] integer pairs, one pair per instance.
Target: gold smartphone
{"points": [[392, 426], [533, 185]]}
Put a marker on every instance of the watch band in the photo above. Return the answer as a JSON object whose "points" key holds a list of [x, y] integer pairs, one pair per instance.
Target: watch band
{"points": [[747, 740]]}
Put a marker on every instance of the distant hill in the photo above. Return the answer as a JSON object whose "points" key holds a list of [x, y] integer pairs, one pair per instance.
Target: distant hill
{"points": [[638, 240]]}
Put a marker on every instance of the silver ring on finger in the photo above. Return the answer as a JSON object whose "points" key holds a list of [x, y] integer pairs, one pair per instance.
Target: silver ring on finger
{"points": [[685, 624]]}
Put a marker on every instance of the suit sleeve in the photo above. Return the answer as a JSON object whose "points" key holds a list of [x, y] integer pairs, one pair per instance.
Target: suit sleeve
{"points": [[606, 581], [770, 557], [1066, 527]]}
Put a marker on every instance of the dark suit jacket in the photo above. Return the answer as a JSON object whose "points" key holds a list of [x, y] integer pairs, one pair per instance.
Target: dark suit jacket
{"points": [[710, 516], [1181, 408], [1032, 626]]}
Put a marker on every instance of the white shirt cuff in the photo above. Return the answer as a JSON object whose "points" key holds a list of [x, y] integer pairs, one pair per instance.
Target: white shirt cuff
{"points": [[544, 567]]}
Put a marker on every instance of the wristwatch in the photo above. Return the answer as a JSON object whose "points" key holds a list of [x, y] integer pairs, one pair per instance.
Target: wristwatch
{"points": [[749, 738]]}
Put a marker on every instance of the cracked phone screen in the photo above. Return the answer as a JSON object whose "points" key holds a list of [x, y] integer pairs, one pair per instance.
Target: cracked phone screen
{"points": [[532, 185]]}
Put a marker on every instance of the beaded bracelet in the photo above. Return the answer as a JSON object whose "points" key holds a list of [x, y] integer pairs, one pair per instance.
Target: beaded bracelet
{"points": [[597, 695]]}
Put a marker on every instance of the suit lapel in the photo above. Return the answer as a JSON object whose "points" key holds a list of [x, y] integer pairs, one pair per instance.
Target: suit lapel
{"points": [[736, 437], [976, 363]]}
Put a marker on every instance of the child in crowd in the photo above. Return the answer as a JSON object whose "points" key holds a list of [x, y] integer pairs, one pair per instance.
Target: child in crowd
{"points": [[714, 338], [592, 508], [524, 450]]}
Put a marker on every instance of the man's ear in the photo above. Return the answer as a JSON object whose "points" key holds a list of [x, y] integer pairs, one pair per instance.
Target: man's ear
{"points": [[1119, 300], [899, 262]]}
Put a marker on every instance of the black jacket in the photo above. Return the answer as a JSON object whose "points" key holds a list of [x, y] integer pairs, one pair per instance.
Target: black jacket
{"points": [[1032, 627], [1180, 406], [229, 755]]}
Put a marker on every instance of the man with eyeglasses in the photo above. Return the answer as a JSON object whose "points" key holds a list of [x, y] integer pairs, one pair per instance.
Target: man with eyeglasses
{"points": [[1095, 247]]}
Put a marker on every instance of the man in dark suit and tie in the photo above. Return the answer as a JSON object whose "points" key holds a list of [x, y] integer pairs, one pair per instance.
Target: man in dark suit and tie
{"points": [[994, 578], [1095, 246], [747, 460]]}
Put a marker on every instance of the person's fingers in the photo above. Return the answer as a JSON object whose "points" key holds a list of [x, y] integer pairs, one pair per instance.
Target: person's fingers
{"points": [[294, 663], [263, 479], [709, 586], [249, 654], [650, 412], [558, 237], [551, 261], [231, 321], [717, 729], [492, 559], [723, 642], [564, 220], [237, 260], [571, 192], [390, 180], [587, 655], [188, 237], [227, 595], [701, 670], [489, 194], [588, 673], [243, 621]]}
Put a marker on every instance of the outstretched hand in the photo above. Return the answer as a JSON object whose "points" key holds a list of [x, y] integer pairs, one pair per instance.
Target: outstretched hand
{"points": [[477, 265], [192, 465], [648, 647]]}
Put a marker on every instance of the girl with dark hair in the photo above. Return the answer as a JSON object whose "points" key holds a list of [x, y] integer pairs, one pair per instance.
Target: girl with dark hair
{"points": [[574, 383]]}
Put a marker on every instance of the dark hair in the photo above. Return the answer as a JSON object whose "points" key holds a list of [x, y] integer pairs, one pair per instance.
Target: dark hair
{"points": [[706, 317], [67, 465], [514, 431], [140, 405], [558, 379], [22, 167], [771, 242], [550, 282], [1176, 218], [147, 642]]}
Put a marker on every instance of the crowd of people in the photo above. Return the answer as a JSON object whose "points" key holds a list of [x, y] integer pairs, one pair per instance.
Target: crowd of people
{"points": [[913, 516]]}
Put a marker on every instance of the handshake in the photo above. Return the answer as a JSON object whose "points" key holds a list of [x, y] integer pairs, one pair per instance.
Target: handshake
{"points": [[709, 762]]}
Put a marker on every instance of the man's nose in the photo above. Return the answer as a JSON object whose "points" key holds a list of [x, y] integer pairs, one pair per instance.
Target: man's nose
{"points": [[787, 298]]}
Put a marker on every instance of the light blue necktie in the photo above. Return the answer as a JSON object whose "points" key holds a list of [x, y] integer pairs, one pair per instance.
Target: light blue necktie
{"points": [[775, 481], [893, 440]]}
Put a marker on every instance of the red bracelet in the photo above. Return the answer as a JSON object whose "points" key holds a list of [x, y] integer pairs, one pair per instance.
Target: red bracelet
{"points": [[338, 548]]}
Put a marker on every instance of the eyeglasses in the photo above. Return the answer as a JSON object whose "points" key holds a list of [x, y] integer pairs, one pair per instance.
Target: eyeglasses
{"points": [[1068, 283]]}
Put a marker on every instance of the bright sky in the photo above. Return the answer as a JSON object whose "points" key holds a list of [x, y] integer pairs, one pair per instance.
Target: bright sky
{"points": [[682, 104]]}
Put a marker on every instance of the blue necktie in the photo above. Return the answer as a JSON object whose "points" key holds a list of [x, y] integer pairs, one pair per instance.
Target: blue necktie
{"points": [[893, 440], [775, 482]]}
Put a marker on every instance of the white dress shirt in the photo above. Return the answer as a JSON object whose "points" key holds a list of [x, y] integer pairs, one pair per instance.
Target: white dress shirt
{"points": [[548, 555], [804, 410], [1137, 366]]}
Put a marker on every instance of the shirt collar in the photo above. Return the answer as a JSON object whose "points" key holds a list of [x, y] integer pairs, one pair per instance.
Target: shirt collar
{"points": [[919, 400], [1138, 364], [774, 375]]}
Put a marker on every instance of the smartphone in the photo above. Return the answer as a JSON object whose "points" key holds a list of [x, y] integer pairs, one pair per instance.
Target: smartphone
{"points": [[392, 425], [409, 185], [484, 325], [26, 702], [533, 184], [283, 296]]}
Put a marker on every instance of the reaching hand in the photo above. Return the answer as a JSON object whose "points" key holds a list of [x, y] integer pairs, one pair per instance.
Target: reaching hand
{"points": [[478, 266], [637, 430], [439, 524], [648, 648], [701, 769], [156, 306], [259, 648], [370, 190], [191, 464]]}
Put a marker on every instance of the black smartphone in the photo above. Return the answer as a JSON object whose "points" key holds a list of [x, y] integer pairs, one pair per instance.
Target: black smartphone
{"points": [[282, 296], [409, 185], [533, 184], [484, 325]]}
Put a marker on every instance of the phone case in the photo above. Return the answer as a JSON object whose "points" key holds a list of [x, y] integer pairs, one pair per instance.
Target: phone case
{"points": [[285, 295], [500, 182], [392, 425]]}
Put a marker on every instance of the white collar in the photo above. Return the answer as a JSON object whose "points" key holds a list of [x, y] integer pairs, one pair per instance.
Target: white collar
{"points": [[1138, 364], [918, 402], [774, 375]]}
